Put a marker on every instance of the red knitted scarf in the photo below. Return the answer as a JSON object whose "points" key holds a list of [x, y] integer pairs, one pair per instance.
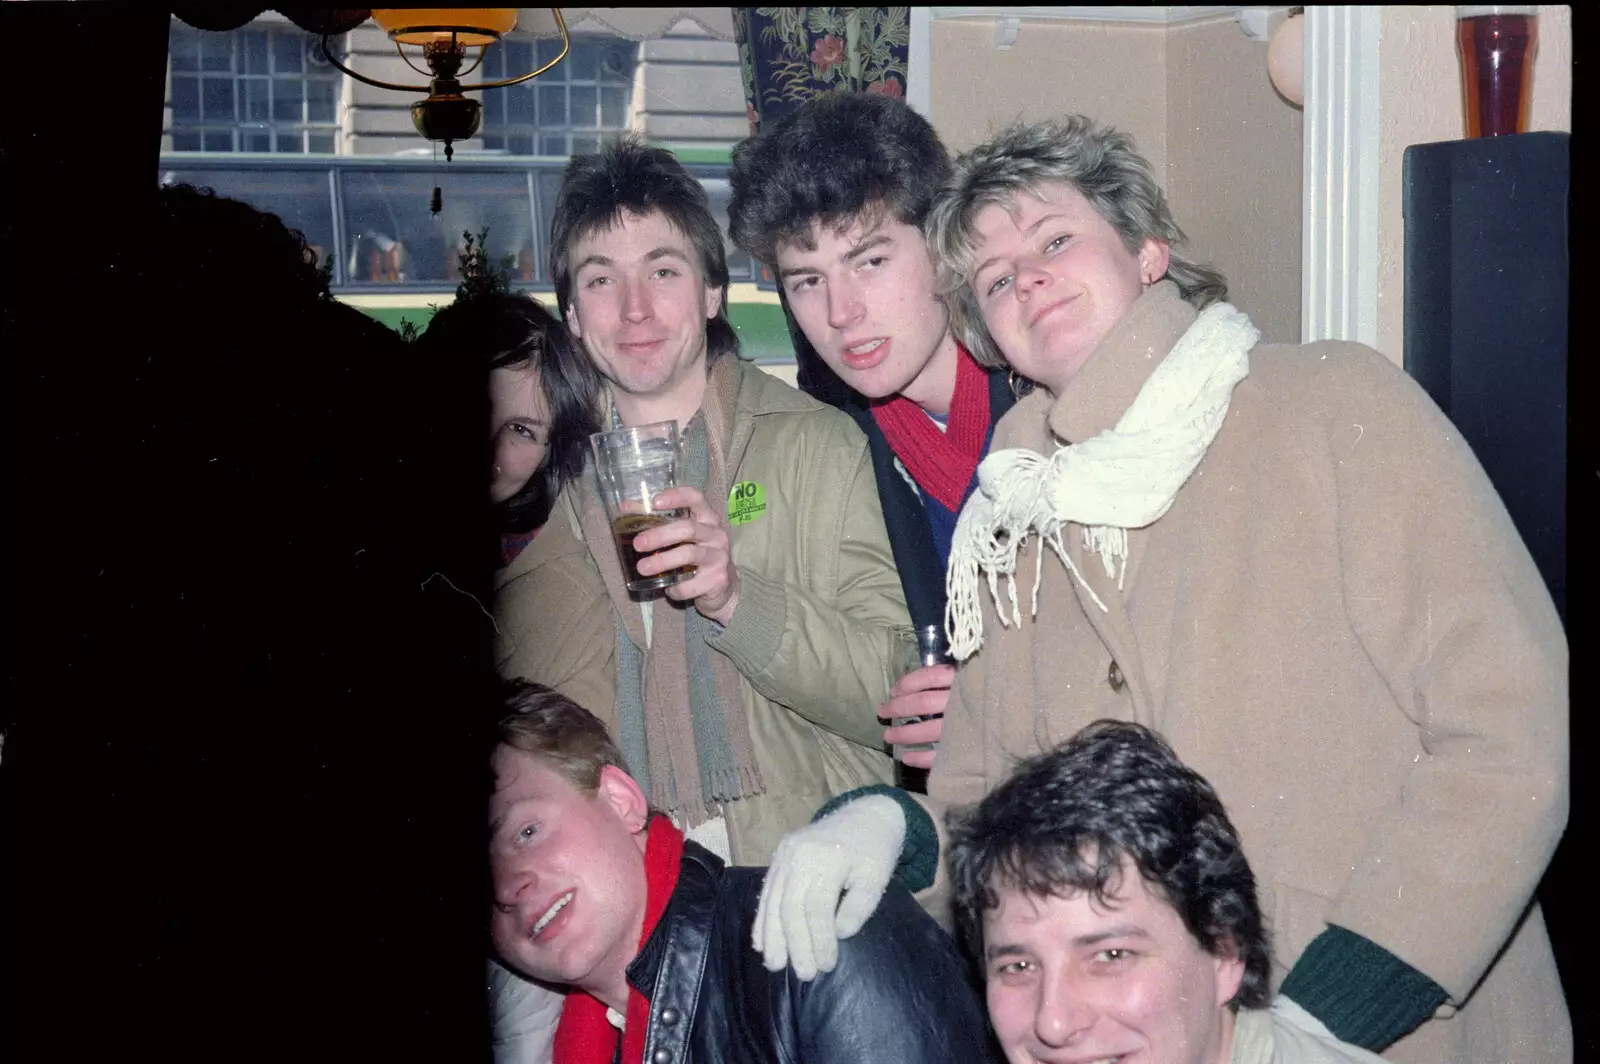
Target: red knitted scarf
{"points": [[584, 1035], [942, 463]]}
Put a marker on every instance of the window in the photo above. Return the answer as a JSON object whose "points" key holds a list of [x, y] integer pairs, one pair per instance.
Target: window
{"points": [[257, 88], [390, 253], [392, 237], [565, 110], [298, 196]]}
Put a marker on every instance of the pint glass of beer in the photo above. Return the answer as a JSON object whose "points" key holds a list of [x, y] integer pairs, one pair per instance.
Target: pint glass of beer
{"points": [[1497, 45], [634, 465]]}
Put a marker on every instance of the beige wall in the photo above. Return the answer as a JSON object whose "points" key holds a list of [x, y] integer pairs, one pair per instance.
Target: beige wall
{"points": [[1233, 169], [1115, 72], [1420, 103], [1195, 98]]}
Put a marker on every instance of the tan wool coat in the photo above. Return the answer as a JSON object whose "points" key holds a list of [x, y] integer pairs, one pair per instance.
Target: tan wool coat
{"points": [[820, 626], [1337, 624]]}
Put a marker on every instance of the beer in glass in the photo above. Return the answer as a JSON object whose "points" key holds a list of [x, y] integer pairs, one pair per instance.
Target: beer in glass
{"points": [[1497, 45]]}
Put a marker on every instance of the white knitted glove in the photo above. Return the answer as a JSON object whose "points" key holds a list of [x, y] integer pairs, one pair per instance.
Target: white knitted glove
{"points": [[524, 1016], [851, 852]]}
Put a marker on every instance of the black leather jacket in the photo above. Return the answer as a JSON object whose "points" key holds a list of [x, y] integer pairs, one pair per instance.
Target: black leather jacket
{"points": [[899, 995]]}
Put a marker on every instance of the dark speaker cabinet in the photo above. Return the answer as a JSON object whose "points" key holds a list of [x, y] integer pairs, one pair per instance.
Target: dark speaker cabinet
{"points": [[1486, 320], [1486, 296]]}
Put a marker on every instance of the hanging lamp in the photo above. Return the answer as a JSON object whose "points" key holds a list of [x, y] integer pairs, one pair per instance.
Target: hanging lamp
{"points": [[444, 35]]}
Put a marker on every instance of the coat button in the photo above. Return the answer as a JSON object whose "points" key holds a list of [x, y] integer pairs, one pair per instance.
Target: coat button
{"points": [[669, 1016], [661, 1056], [1114, 677]]}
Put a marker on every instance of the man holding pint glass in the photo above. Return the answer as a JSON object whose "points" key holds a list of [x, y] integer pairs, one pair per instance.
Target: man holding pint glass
{"points": [[718, 585]]}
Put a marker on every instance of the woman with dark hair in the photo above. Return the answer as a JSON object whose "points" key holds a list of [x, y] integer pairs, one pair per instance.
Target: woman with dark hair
{"points": [[541, 404]]}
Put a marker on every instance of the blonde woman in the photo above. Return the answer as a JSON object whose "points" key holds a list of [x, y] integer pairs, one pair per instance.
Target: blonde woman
{"points": [[1282, 557]]}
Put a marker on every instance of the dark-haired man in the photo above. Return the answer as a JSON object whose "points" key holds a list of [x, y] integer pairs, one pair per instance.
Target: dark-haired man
{"points": [[1108, 900], [596, 892], [834, 197]]}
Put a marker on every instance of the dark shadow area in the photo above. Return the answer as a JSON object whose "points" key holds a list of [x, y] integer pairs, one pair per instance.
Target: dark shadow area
{"points": [[243, 776]]}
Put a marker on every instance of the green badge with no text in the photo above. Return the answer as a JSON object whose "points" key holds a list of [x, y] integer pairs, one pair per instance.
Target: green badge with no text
{"points": [[746, 502]]}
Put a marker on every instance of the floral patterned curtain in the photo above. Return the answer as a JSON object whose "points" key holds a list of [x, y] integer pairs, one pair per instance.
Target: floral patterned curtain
{"points": [[790, 54]]}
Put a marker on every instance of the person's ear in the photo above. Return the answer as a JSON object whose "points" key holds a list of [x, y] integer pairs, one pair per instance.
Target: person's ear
{"points": [[1154, 256], [622, 793], [713, 300], [1229, 969], [573, 325]]}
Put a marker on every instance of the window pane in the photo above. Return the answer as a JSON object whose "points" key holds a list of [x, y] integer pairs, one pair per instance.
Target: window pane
{"points": [[291, 142], [548, 49], [185, 141], [316, 61], [321, 100], [494, 105], [254, 105], [553, 144], [617, 62], [216, 97], [584, 145], [392, 237], [614, 107], [552, 105], [718, 193], [184, 46], [493, 142], [585, 107], [493, 67], [255, 139], [288, 53], [287, 94], [516, 57], [521, 144], [322, 143], [582, 63], [518, 104], [218, 140], [253, 51], [185, 99], [299, 197], [216, 51]]}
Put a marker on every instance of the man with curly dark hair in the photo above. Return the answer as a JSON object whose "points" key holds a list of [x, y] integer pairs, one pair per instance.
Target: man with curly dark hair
{"points": [[1108, 901], [833, 197]]}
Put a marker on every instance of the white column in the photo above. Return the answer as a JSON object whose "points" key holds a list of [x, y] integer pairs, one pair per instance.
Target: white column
{"points": [[1339, 277]]}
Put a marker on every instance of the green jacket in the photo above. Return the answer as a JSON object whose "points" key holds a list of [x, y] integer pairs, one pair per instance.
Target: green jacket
{"points": [[819, 628]]}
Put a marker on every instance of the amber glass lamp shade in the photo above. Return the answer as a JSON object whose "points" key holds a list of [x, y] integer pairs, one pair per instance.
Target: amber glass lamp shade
{"points": [[472, 26]]}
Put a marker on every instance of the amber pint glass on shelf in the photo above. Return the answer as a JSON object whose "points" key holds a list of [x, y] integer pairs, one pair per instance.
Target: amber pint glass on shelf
{"points": [[634, 465], [1497, 45]]}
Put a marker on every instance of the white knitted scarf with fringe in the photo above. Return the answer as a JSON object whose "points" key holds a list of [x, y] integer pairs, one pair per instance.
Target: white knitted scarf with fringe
{"points": [[1126, 477]]}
